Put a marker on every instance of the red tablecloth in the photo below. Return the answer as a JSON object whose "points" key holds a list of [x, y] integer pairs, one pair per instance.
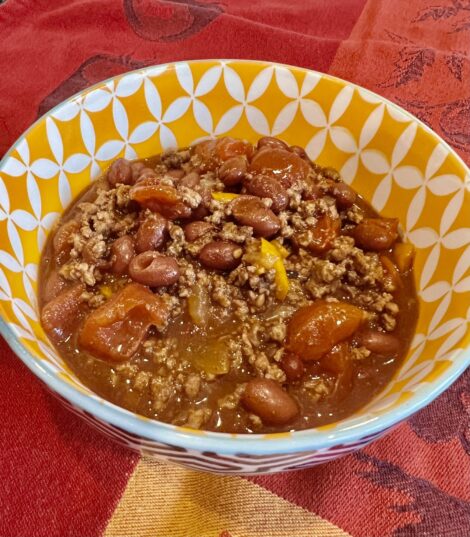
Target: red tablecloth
{"points": [[60, 478]]}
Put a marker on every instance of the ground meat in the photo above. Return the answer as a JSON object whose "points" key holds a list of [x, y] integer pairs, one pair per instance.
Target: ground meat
{"points": [[122, 196], [94, 300], [192, 385], [161, 389], [232, 400], [142, 380], [255, 421], [354, 214], [127, 371], [359, 353], [241, 316], [174, 159], [277, 332], [388, 322], [190, 196], [197, 417], [177, 240], [326, 271], [232, 232], [342, 248], [318, 388], [77, 270]]}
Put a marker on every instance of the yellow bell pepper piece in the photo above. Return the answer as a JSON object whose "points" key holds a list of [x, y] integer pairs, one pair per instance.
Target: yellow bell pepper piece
{"points": [[271, 257], [404, 254], [283, 251], [269, 254], [281, 280], [106, 291], [214, 358], [224, 196]]}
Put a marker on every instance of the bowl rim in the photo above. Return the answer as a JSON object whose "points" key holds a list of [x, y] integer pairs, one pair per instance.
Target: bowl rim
{"points": [[151, 430]]}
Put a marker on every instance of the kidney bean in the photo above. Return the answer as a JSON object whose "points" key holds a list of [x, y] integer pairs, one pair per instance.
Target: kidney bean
{"points": [[266, 399], [299, 151], [194, 230], [267, 187], [62, 241], [379, 342], [292, 366], [146, 173], [176, 174], [154, 269], [344, 195], [152, 233], [120, 171], [221, 255], [251, 211], [312, 192], [200, 212], [190, 180], [233, 170], [269, 141], [376, 233], [122, 252], [136, 168]]}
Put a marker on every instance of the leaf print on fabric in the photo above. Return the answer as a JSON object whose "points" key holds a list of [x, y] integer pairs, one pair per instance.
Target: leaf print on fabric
{"points": [[455, 121], [462, 25], [447, 417], [454, 63], [411, 63], [91, 71], [170, 21], [452, 118], [440, 513], [441, 12]]}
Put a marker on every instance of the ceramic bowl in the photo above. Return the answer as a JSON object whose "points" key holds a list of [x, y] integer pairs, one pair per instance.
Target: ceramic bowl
{"points": [[391, 158]]}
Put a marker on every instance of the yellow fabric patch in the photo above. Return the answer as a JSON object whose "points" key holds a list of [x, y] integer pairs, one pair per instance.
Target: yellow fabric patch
{"points": [[163, 500]]}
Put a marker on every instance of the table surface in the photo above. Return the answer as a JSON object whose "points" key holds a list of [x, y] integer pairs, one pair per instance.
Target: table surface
{"points": [[58, 477]]}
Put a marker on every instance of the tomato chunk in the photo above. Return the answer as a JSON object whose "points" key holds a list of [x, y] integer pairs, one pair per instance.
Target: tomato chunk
{"points": [[213, 152], [315, 329], [160, 198], [319, 238], [283, 165], [338, 361], [115, 330], [59, 315]]}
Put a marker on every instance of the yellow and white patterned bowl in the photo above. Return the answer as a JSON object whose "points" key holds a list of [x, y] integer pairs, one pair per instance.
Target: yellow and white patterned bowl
{"points": [[390, 157]]}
